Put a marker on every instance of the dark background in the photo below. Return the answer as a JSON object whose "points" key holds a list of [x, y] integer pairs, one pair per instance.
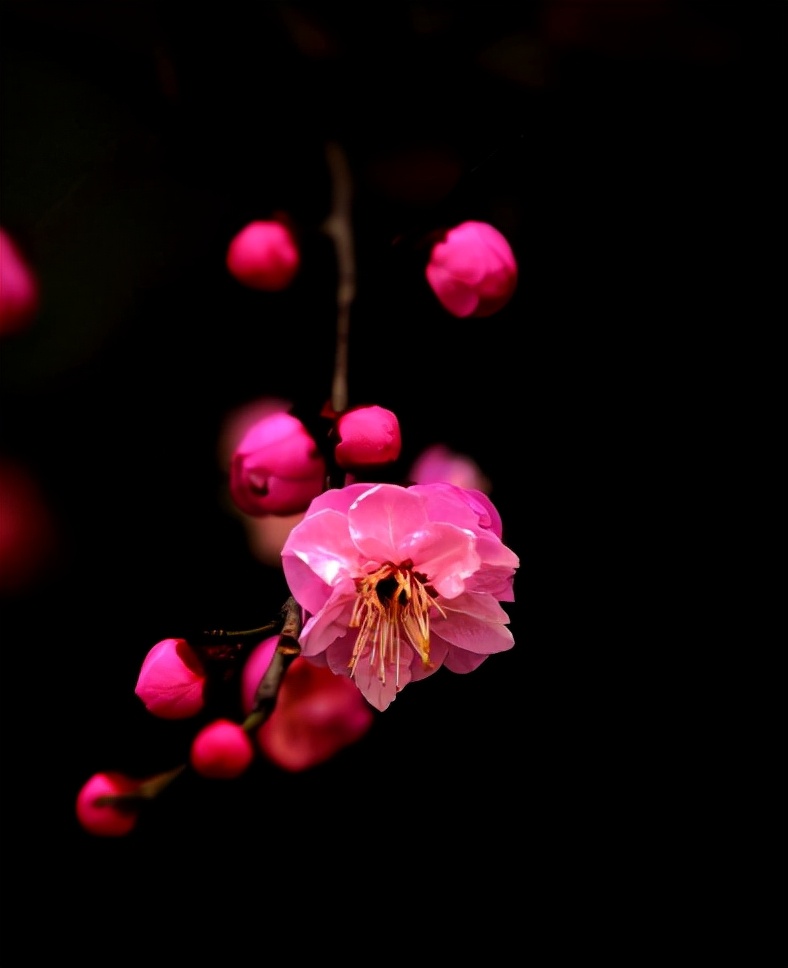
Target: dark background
{"points": [[571, 791]]}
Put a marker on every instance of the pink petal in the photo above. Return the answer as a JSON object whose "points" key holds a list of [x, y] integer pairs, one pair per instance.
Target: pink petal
{"points": [[475, 623], [383, 518], [330, 623], [337, 498], [438, 653], [381, 694], [322, 542], [446, 554], [457, 298], [458, 660]]}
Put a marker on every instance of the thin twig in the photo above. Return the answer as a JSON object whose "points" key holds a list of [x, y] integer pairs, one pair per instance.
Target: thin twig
{"points": [[338, 227]]}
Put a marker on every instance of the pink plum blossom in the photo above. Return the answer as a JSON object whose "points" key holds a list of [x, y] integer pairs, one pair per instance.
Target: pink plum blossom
{"points": [[369, 436], [472, 270], [19, 298], [317, 713], [107, 819], [440, 464], [276, 467], [172, 680], [399, 581], [264, 255], [222, 750]]}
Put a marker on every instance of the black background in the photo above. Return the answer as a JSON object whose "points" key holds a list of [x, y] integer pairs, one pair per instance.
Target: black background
{"points": [[569, 792]]}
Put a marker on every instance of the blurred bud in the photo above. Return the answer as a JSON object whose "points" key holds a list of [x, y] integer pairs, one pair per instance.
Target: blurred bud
{"points": [[19, 300], [276, 468], [264, 255], [108, 819], [222, 750], [368, 437], [172, 680], [317, 712], [28, 537], [254, 669], [472, 270], [438, 464]]}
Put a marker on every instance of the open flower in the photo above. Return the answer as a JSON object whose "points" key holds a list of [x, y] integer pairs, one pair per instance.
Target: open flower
{"points": [[399, 581], [472, 270]]}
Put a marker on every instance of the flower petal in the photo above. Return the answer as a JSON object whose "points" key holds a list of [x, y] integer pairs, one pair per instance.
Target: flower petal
{"points": [[455, 297], [475, 623], [444, 553], [322, 542], [383, 518], [458, 660], [330, 622]]}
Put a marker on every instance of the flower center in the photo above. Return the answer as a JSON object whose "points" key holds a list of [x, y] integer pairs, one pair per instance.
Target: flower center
{"points": [[392, 605]]}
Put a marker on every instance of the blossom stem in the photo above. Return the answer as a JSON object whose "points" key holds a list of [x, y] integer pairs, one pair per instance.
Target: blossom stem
{"points": [[148, 789], [286, 650], [338, 227], [244, 633]]}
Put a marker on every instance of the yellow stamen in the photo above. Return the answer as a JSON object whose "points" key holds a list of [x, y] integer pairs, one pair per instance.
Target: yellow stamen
{"points": [[392, 605]]}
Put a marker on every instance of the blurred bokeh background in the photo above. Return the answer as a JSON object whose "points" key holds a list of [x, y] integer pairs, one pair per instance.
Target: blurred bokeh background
{"points": [[628, 151]]}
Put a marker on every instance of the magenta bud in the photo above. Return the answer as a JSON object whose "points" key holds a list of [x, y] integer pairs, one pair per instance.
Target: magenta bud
{"points": [[107, 819], [264, 255], [440, 464], [317, 714], [19, 300], [172, 680], [222, 750], [368, 437], [472, 270], [254, 669], [276, 468]]}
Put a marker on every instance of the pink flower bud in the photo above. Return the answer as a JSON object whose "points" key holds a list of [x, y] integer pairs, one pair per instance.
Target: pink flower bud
{"points": [[368, 436], [440, 464], [472, 270], [222, 750], [276, 468], [172, 680], [109, 819], [19, 301], [254, 669], [264, 255], [317, 713]]}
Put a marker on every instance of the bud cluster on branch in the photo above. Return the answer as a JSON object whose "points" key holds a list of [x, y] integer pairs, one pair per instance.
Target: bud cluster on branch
{"points": [[386, 582]]}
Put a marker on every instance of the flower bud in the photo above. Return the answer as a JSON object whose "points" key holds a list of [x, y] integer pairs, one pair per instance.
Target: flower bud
{"points": [[109, 819], [222, 750], [276, 468], [368, 437], [317, 713], [472, 270], [254, 669], [264, 255], [19, 301], [440, 464], [172, 680]]}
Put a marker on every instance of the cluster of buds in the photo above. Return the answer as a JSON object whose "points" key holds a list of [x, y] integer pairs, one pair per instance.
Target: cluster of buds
{"points": [[387, 583], [470, 267]]}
